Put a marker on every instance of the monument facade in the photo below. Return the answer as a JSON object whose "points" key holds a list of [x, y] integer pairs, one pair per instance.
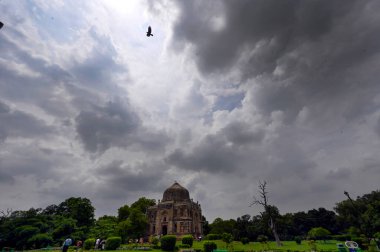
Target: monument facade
{"points": [[175, 214]]}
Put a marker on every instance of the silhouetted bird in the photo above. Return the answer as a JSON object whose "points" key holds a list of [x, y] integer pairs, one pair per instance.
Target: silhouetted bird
{"points": [[1, 25], [149, 33]]}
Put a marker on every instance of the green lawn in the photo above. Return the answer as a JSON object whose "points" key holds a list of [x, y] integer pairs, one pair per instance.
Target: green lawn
{"points": [[291, 246], [287, 245]]}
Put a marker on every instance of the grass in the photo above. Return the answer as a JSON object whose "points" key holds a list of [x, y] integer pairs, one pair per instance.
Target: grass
{"points": [[288, 246]]}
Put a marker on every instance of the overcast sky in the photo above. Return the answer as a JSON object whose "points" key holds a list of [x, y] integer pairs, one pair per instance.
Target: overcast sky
{"points": [[224, 95]]}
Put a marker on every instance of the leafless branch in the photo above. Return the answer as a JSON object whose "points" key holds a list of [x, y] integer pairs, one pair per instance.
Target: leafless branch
{"points": [[7, 214], [263, 195]]}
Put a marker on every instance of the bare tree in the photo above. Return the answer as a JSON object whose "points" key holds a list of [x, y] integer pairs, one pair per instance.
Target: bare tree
{"points": [[5, 214], [269, 210]]}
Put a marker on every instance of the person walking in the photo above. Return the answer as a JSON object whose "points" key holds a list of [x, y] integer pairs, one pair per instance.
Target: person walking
{"points": [[66, 244], [79, 245]]}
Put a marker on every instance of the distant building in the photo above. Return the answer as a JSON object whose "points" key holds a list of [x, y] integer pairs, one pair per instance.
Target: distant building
{"points": [[175, 214]]}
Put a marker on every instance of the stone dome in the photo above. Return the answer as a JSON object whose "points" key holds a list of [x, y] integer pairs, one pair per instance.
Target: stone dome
{"points": [[176, 193]]}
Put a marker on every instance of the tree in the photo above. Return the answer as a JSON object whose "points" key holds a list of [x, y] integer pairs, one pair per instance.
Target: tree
{"points": [[270, 212], [123, 212], [142, 204], [205, 226], [105, 226], [138, 222], [363, 213], [220, 226], [79, 209], [227, 238], [319, 233]]}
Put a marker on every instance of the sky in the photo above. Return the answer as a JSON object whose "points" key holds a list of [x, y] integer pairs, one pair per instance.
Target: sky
{"points": [[223, 96]]}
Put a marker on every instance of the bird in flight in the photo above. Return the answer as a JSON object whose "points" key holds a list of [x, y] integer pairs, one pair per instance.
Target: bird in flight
{"points": [[149, 32], [1, 25]]}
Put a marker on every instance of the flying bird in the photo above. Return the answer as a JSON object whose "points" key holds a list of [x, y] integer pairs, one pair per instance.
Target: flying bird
{"points": [[149, 32], [1, 25]]}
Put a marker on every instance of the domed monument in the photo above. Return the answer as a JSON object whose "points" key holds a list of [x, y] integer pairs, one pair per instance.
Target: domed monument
{"points": [[175, 214]]}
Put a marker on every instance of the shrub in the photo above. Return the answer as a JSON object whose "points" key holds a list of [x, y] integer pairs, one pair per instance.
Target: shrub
{"points": [[312, 245], [262, 238], [155, 241], [244, 240], [227, 238], [298, 239], [188, 239], [319, 233], [213, 237], [112, 243], [198, 250], [209, 246], [89, 244], [40, 240], [168, 242]]}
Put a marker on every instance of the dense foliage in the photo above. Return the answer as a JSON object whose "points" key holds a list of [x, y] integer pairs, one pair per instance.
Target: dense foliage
{"points": [[89, 243], [188, 239], [357, 219], [168, 242], [209, 246], [74, 218], [113, 243]]}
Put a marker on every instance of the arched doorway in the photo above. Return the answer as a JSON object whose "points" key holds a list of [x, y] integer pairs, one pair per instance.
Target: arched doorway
{"points": [[164, 230]]}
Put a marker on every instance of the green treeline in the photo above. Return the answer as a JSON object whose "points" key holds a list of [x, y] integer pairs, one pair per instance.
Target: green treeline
{"points": [[75, 218], [358, 219]]}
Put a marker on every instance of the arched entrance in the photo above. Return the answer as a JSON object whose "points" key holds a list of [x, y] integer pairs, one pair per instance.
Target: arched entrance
{"points": [[164, 230]]}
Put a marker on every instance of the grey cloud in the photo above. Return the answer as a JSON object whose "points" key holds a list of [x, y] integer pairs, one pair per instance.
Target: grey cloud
{"points": [[102, 127], [116, 125], [31, 160], [342, 173], [6, 178], [239, 148], [15, 123], [100, 66], [315, 52], [240, 133], [211, 155], [126, 179], [280, 26]]}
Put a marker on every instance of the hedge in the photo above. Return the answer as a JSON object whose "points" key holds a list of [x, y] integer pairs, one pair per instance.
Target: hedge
{"points": [[112, 243], [209, 246], [188, 239], [168, 242], [89, 244]]}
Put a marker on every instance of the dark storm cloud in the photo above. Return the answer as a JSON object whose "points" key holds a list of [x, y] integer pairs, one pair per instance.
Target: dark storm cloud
{"points": [[317, 53], [240, 133], [103, 127], [221, 152], [31, 160], [127, 179], [241, 149], [6, 178], [116, 125], [212, 155], [275, 26], [15, 123]]}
